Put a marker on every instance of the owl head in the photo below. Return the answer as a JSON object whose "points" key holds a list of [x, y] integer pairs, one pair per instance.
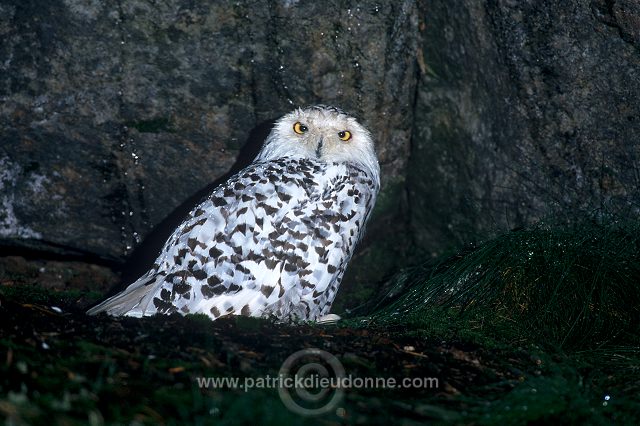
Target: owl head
{"points": [[323, 133]]}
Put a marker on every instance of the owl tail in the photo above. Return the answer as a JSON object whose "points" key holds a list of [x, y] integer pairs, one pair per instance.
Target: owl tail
{"points": [[133, 300]]}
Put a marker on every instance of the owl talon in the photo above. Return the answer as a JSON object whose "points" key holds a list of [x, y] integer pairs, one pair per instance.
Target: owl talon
{"points": [[328, 319]]}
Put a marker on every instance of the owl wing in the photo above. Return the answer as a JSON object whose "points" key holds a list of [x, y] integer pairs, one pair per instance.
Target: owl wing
{"points": [[275, 238], [329, 228]]}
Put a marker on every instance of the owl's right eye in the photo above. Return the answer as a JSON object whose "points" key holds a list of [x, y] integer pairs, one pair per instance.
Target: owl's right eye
{"points": [[299, 128]]}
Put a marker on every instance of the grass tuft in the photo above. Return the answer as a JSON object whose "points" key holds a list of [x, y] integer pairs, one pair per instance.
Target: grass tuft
{"points": [[575, 288]]}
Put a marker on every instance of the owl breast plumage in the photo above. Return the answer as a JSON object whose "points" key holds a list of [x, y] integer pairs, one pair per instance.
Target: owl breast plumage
{"points": [[274, 240]]}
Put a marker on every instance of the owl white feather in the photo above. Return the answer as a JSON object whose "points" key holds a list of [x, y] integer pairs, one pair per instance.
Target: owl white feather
{"points": [[276, 238]]}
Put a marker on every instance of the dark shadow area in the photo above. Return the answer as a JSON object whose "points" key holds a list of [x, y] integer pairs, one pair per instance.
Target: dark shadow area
{"points": [[146, 252], [35, 249]]}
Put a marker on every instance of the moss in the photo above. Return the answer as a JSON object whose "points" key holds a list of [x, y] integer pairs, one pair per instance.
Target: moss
{"points": [[154, 125], [389, 199], [34, 294], [360, 283]]}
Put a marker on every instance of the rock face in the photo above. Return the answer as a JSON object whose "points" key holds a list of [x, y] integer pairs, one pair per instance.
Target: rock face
{"points": [[115, 117], [525, 110]]}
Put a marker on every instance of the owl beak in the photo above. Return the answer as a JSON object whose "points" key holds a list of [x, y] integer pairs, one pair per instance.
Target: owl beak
{"points": [[319, 148]]}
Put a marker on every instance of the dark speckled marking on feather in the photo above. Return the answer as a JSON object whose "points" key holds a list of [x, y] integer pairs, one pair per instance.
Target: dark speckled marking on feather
{"points": [[192, 243], [181, 288], [267, 290], [219, 202], [213, 280], [163, 306], [242, 269], [214, 252], [207, 291], [271, 263], [219, 289], [199, 274], [269, 210]]}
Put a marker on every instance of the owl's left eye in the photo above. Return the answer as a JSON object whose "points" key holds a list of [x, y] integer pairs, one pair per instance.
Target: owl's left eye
{"points": [[345, 135], [299, 128]]}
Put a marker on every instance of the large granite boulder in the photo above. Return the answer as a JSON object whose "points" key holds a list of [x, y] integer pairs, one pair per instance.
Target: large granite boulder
{"points": [[115, 118], [526, 110]]}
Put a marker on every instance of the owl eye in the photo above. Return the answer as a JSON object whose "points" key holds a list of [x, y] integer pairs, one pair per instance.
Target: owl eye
{"points": [[345, 135], [299, 128]]}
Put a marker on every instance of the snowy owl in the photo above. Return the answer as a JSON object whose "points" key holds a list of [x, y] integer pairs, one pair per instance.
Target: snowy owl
{"points": [[276, 238]]}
